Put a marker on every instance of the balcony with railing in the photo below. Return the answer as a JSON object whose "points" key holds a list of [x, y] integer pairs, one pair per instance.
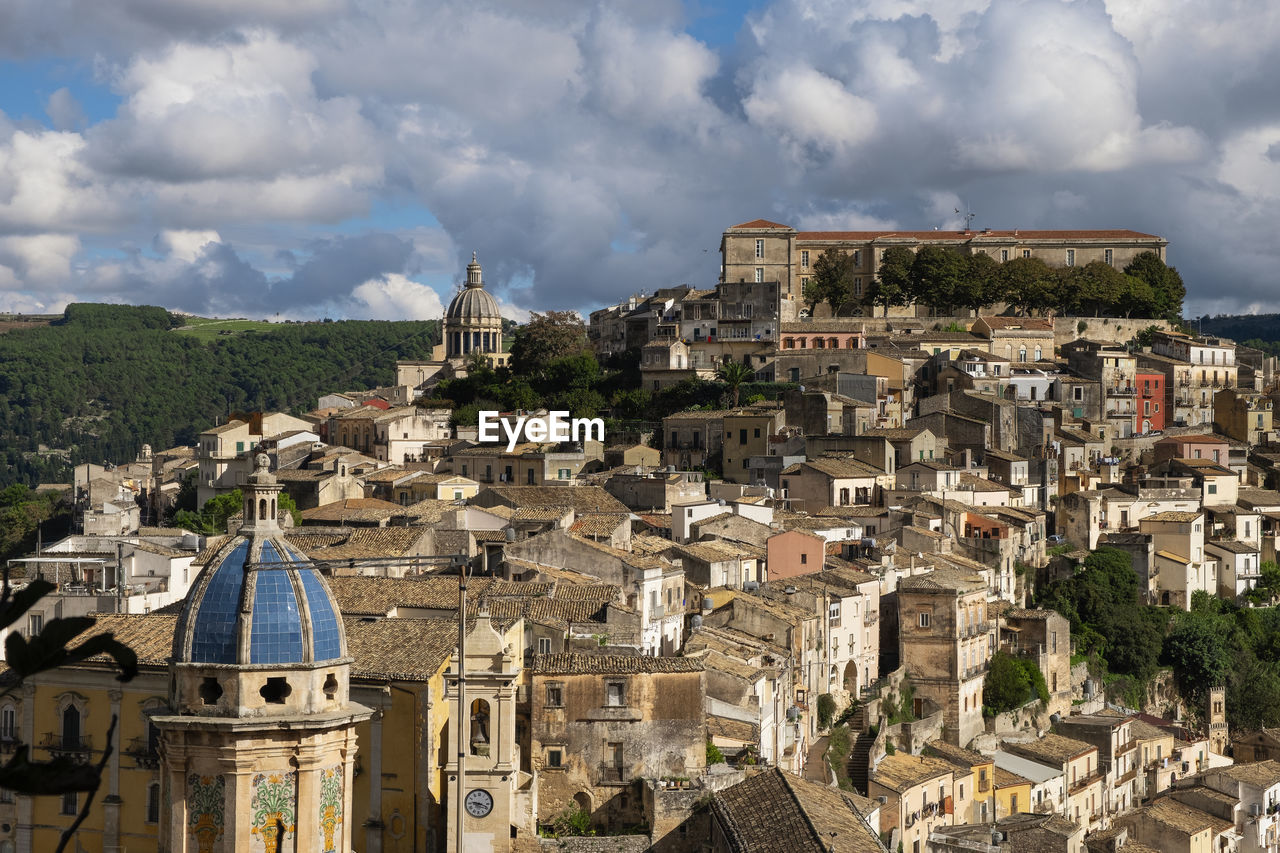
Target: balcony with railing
{"points": [[143, 752], [8, 743], [610, 774], [1127, 778], [76, 748], [1083, 782]]}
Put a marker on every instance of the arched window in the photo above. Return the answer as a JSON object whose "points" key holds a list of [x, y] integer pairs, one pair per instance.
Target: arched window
{"points": [[153, 802], [479, 727], [8, 724], [262, 508], [1022, 353], [71, 727]]}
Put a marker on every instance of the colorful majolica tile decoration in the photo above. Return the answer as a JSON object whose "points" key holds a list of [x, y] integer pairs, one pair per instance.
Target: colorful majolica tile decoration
{"points": [[330, 805], [206, 802], [273, 810]]}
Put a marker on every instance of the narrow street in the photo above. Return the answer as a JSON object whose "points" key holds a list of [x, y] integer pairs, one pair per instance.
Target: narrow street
{"points": [[815, 763]]}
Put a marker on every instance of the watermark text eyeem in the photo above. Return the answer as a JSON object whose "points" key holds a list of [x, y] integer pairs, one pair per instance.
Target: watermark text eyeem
{"points": [[556, 426]]}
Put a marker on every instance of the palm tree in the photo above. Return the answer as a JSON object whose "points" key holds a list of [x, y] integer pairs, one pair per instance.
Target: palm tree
{"points": [[733, 374]]}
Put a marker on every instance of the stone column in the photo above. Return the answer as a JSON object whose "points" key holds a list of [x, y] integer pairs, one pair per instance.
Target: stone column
{"points": [[373, 825], [26, 807], [111, 802], [310, 759]]}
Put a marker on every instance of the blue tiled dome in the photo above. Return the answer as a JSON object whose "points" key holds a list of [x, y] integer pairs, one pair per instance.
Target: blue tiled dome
{"points": [[265, 585]]}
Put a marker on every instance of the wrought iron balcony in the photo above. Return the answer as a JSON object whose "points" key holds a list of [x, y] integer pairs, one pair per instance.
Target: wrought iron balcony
{"points": [[143, 752], [77, 748]]}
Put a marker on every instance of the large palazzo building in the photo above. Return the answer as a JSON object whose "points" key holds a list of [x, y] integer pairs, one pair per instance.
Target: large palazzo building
{"points": [[764, 251]]}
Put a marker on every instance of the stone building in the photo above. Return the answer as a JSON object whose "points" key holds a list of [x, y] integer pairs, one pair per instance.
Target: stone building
{"points": [[473, 323], [764, 251], [947, 642], [258, 750], [600, 723], [1044, 636], [918, 796]]}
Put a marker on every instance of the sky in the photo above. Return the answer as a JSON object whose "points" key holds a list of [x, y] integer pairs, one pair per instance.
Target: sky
{"points": [[344, 158]]}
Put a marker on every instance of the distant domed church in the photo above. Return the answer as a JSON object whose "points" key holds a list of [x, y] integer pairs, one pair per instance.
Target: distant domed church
{"points": [[473, 324]]}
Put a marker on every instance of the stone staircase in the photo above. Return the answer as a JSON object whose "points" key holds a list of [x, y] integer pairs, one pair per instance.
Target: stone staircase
{"points": [[860, 761]]}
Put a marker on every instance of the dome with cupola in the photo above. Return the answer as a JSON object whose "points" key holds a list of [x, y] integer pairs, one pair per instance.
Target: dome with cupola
{"points": [[259, 602], [473, 303], [473, 322]]}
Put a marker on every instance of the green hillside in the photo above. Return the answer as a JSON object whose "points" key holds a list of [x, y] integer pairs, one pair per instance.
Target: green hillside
{"points": [[102, 380]]}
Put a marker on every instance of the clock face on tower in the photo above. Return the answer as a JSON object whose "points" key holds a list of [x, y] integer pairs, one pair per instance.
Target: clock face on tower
{"points": [[479, 803]]}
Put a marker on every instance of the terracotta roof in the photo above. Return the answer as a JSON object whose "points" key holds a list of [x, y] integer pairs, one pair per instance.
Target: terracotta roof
{"points": [[586, 592], [390, 475], [1030, 324], [150, 635], [227, 427], [400, 649], [599, 523], [1260, 774], [759, 223], [957, 755], [942, 579], [365, 542], [541, 513], [775, 812], [901, 770], [583, 499], [303, 475], [407, 649], [353, 509], [427, 511], [583, 664], [1184, 818], [1053, 749], [730, 729], [359, 595], [1020, 235]]}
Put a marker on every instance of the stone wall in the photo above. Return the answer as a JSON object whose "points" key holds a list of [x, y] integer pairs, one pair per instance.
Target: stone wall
{"points": [[1117, 330], [1032, 716], [607, 844]]}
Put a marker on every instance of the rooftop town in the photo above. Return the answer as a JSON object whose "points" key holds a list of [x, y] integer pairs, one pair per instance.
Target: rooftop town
{"points": [[829, 618]]}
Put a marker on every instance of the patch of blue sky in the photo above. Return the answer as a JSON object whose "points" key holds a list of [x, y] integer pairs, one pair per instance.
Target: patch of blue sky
{"points": [[716, 23], [388, 215], [25, 88]]}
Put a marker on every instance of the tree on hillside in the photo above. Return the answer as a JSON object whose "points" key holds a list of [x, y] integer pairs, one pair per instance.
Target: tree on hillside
{"points": [[1167, 288], [1028, 284], [1094, 288], [1199, 653], [545, 338], [1012, 682], [892, 285], [1101, 601], [978, 282], [831, 281], [733, 374], [937, 278]]}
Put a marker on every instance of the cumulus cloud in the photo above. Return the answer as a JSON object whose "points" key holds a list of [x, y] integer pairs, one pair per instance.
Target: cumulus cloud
{"points": [[395, 297], [64, 110], [589, 151]]}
